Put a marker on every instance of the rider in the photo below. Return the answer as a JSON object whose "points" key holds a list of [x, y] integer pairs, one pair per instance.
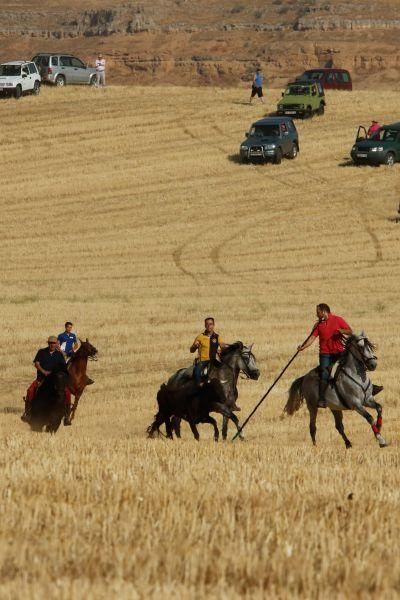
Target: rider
{"points": [[329, 329], [67, 340], [46, 361], [208, 345]]}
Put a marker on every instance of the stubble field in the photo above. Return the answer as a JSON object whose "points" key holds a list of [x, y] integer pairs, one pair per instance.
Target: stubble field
{"points": [[126, 211]]}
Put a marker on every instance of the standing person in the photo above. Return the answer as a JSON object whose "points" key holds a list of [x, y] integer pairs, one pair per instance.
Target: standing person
{"points": [[329, 329], [67, 340], [256, 88], [208, 344], [101, 70], [46, 361], [373, 130]]}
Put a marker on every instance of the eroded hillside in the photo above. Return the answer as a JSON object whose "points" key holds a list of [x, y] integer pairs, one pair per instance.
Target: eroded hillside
{"points": [[211, 42]]}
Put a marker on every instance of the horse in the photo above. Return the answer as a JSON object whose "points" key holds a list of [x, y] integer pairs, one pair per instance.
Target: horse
{"points": [[235, 359], [349, 389], [77, 366], [48, 405], [191, 403]]}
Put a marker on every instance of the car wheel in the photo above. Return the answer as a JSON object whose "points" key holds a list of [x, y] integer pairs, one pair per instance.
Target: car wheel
{"points": [[308, 113], [18, 92], [390, 159], [60, 81], [293, 152], [278, 157], [321, 109], [36, 88]]}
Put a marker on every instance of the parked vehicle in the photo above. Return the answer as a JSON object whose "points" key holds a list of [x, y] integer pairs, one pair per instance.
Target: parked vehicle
{"points": [[19, 77], [270, 139], [63, 69], [302, 100], [331, 79], [382, 149]]}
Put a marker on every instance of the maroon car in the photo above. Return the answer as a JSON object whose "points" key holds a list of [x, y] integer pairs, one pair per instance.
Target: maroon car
{"points": [[331, 79]]}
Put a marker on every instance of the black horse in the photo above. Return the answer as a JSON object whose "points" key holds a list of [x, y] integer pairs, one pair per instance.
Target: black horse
{"points": [[48, 405], [191, 403]]}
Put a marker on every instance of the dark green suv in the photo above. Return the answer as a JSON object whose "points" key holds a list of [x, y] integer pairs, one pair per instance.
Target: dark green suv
{"points": [[302, 99], [383, 148], [270, 139]]}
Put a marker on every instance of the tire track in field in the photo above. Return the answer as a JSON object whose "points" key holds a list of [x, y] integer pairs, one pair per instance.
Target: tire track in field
{"points": [[177, 258]]}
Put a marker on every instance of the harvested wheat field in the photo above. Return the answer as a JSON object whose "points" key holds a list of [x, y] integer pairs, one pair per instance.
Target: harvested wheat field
{"points": [[126, 211]]}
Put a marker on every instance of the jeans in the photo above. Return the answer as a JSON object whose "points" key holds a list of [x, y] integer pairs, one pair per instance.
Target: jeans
{"points": [[326, 362], [198, 370]]}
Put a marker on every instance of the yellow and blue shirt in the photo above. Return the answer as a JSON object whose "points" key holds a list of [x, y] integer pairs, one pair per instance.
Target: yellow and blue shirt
{"points": [[208, 345]]}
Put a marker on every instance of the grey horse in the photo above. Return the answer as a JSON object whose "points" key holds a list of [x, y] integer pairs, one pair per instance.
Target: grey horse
{"points": [[235, 359], [349, 389]]}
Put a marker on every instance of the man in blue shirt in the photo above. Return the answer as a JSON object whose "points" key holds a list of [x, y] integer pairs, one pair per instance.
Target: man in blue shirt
{"points": [[256, 88], [67, 340]]}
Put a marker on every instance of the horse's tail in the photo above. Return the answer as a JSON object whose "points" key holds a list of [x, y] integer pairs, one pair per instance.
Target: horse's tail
{"points": [[296, 397]]}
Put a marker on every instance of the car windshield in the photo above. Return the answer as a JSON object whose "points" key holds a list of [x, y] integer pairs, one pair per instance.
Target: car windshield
{"points": [[10, 70], [265, 130], [297, 90], [312, 75], [388, 135]]}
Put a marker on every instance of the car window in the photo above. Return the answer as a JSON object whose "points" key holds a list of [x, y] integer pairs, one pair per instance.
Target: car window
{"points": [[65, 61], [339, 76], [265, 130], [389, 135], [297, 90], [330, 77], [10, 70], [25, 70], [346, 77], [314, 75], [54, 61], [77, 63], [32, 68]]}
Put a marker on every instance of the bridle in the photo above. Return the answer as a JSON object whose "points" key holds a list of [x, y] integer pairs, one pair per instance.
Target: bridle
{"points": [[246, 362]]}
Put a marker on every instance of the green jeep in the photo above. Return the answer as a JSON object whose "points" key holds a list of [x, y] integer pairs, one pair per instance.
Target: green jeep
{"points": [[301, 99]]}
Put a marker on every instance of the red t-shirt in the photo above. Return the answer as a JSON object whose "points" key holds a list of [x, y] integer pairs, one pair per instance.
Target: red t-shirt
{"points": [[329, 336]]}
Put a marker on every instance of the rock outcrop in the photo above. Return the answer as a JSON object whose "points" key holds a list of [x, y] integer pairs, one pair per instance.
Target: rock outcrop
{"points": [[211, 41]]}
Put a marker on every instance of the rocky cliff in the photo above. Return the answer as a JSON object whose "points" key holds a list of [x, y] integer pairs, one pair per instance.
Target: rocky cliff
{"points": [[179, 41]]}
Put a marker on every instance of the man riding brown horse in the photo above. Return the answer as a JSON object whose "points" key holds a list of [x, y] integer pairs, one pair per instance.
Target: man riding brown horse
{"points": [[49, 359], [46, 361]]}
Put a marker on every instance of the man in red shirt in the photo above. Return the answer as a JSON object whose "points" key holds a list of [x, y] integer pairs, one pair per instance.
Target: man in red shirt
{"points": [[329, 329]]}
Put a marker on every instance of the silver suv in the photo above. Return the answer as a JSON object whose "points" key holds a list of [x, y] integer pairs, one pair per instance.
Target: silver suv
{"points": [[19, 77], [63, 69]]}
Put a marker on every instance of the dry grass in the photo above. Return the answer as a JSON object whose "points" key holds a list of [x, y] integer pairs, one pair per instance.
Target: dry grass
{"points": [[128, 213]]}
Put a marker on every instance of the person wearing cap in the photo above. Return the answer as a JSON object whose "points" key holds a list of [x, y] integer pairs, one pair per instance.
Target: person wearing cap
{"points": [[373, 130], [46, 361], [101, 70]]}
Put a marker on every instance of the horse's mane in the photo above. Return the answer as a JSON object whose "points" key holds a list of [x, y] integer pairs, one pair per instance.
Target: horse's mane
{"points": [[232, 348], [86, 349], [348, 341]]}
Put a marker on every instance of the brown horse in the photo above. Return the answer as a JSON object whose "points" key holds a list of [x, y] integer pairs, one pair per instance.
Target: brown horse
{"points": [[77, 366]]}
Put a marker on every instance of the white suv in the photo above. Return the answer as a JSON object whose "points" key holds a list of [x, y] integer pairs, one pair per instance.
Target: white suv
{"points": [[19, 77]]}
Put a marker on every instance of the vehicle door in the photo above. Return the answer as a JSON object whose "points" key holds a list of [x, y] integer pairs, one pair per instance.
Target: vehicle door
{"points": [[27, 79], [397, 147], [34, 71], [80, 72], [66, 69], [329, 82], [286, 141], [345, 81]]}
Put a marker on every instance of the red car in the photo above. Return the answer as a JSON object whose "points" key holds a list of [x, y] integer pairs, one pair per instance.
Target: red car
{"points": [[331, 79]]}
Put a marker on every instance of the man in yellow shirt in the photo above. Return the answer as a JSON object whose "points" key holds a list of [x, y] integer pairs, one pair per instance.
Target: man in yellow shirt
{"points": [[208, 344]]}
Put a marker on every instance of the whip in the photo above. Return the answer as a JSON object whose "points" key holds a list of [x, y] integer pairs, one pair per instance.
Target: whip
{"points": [[239, 431]]}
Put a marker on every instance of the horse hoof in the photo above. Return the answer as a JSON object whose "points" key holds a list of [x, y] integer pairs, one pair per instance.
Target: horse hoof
{"points": [[349, 445]]}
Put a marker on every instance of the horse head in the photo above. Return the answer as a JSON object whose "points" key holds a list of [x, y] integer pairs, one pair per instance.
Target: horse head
{"points": [[241, 357], [87, 350], [363, 350]]}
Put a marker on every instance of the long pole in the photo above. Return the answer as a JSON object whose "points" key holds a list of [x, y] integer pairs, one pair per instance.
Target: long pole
{"points": [[239, 431]]}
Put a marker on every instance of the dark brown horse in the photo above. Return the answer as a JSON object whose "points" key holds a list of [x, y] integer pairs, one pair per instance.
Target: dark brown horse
{"points": [[77, 366]]}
